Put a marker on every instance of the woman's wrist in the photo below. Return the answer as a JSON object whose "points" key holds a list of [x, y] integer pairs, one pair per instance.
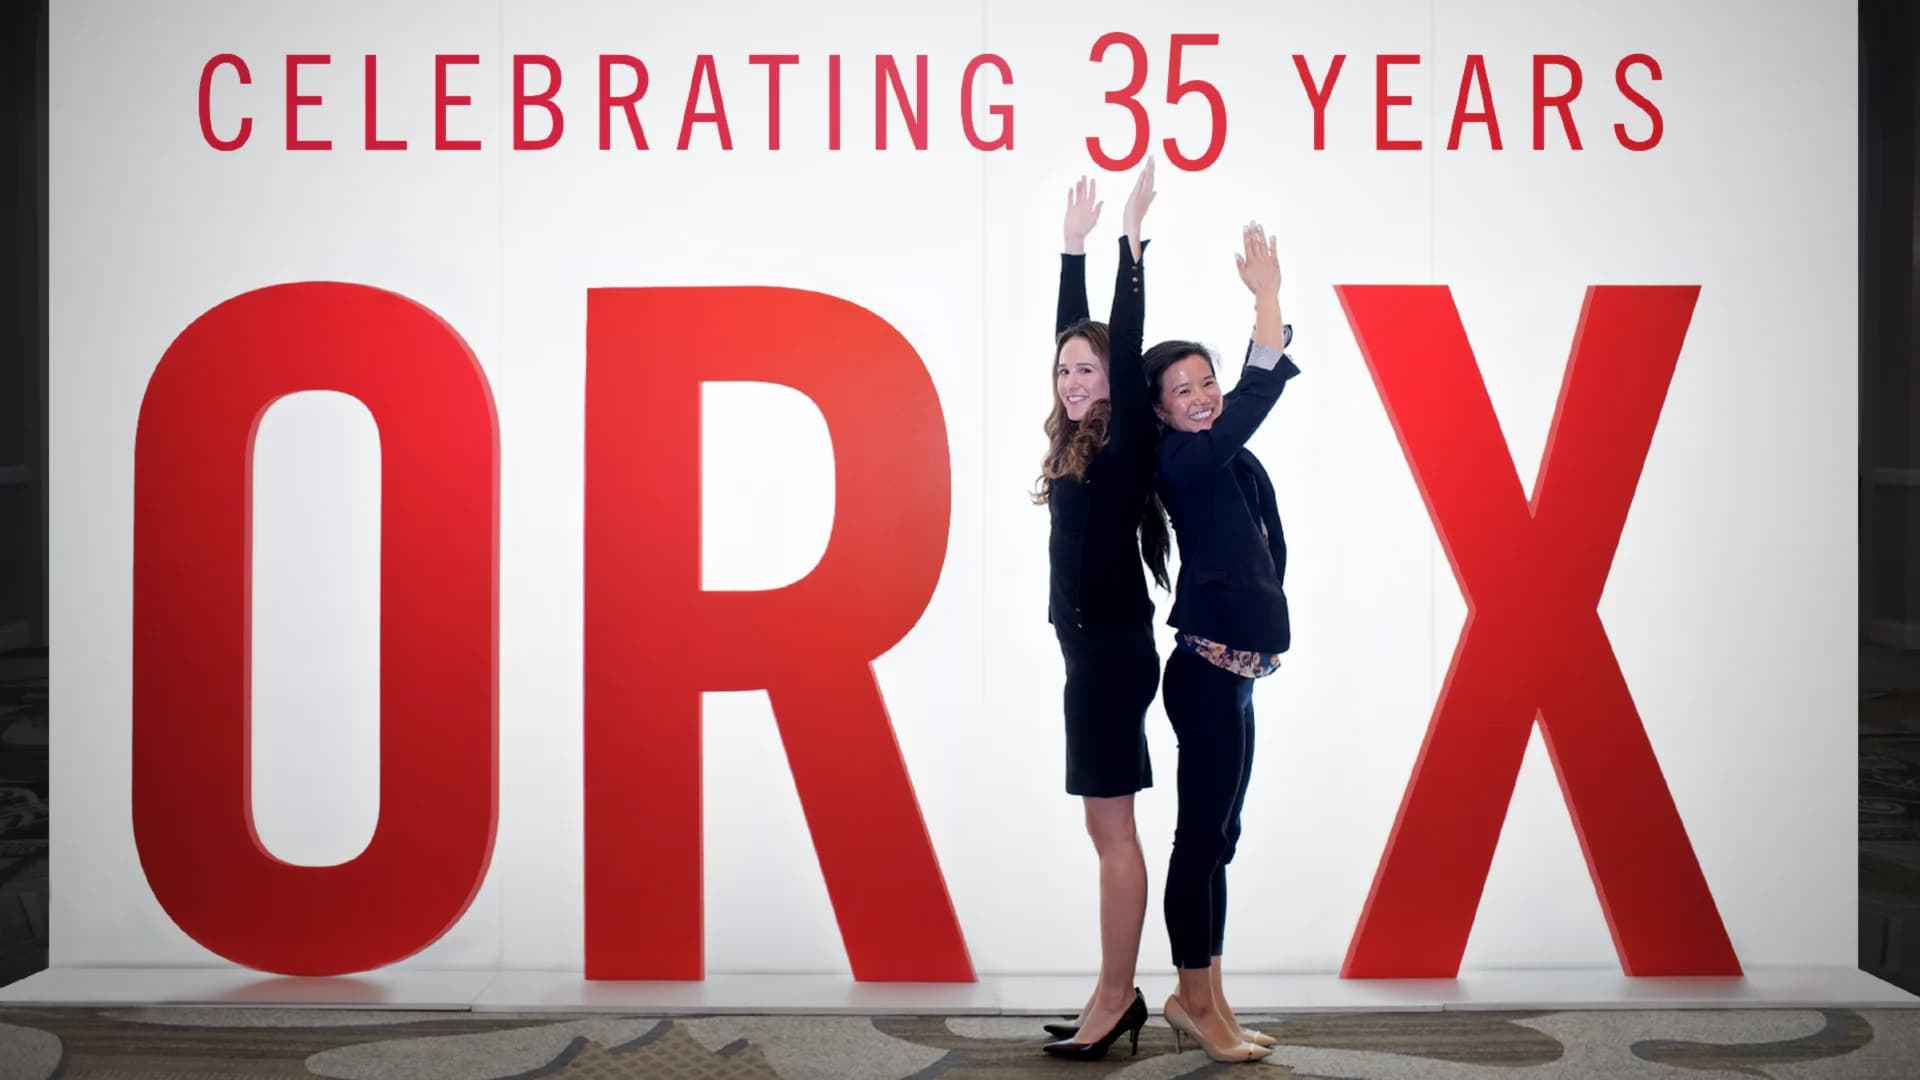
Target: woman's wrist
{"points": [[1268, 327]]}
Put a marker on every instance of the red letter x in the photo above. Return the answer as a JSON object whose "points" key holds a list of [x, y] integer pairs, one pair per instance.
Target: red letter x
{"points": [[1533, 643]]}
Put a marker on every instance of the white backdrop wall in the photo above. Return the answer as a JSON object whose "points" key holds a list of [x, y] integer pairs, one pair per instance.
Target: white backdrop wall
{"points": [[1730, 604]]}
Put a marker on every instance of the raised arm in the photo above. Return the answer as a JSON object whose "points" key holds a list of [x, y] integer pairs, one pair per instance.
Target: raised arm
{"points": [[1132, 415], [1259, 266], [1185, 456], [1082, 214]]}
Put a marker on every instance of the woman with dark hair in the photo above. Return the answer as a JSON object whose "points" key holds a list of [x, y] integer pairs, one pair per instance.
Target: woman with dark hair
{"points": [[1230, 620], [1097, 483]]}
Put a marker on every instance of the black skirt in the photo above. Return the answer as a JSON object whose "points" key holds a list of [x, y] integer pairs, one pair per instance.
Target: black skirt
{"points": [[1112, 676]]}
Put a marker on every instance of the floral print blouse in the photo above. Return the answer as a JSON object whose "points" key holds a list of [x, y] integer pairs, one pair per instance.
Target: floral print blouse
{"points": [[1243, 662]]}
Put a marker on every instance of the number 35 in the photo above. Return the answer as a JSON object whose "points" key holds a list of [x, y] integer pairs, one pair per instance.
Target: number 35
{"points": [[1126, 98]]}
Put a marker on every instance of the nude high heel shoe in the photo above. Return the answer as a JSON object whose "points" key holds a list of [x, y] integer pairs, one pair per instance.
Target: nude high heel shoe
{"points": [[1182, 1025]]}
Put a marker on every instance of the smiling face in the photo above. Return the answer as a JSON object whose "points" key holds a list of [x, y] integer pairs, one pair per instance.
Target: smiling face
{"points": [[1189, 394], [1079, 378]]}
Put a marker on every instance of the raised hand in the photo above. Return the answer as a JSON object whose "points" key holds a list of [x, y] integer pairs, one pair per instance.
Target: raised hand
{"points": [[1082, 214], [1137, 204], [1258, 261]]}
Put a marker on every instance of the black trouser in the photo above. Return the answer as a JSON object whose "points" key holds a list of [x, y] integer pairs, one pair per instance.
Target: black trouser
{"points": [[1212, 714]]}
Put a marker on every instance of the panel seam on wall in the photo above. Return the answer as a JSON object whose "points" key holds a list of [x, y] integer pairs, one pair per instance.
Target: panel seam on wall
{"points": [[986, 434], [1433, 274]]}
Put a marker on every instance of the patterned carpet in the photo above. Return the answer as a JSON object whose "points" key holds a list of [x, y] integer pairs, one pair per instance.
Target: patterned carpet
{"points": [[176, 1044]]}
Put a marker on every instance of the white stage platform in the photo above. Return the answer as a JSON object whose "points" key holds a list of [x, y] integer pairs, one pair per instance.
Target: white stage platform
{"points": [[237, 986], [524, 991]]}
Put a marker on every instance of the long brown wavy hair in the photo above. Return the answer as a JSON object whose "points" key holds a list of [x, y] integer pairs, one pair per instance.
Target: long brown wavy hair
{"points": [[1071, 445]]}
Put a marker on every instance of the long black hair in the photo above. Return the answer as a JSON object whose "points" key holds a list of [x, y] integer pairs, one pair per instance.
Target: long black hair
{"points": [[1154, 538]]}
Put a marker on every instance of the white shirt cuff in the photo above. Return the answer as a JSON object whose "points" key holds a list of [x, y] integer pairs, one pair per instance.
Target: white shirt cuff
{"points": [[1266, 357]]}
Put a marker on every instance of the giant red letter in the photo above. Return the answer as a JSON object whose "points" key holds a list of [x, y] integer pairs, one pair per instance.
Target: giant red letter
{"points": [[655, 641], [1533, 642], [439, 546]]}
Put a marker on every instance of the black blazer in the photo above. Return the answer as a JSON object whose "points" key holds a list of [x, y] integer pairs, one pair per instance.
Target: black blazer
{"points": [[1096, 579], [1233, 554]]}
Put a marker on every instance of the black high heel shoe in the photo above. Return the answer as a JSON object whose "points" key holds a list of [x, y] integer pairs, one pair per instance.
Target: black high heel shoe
{"points": [[1130, 1024], [1062, 1031]]}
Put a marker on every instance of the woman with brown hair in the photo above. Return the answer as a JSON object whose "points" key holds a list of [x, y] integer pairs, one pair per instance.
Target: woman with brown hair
{"points": [[1097, 483]]}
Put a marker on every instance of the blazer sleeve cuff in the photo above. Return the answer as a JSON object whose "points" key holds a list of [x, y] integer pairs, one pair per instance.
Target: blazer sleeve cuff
{"points": [[1267, 358]]}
